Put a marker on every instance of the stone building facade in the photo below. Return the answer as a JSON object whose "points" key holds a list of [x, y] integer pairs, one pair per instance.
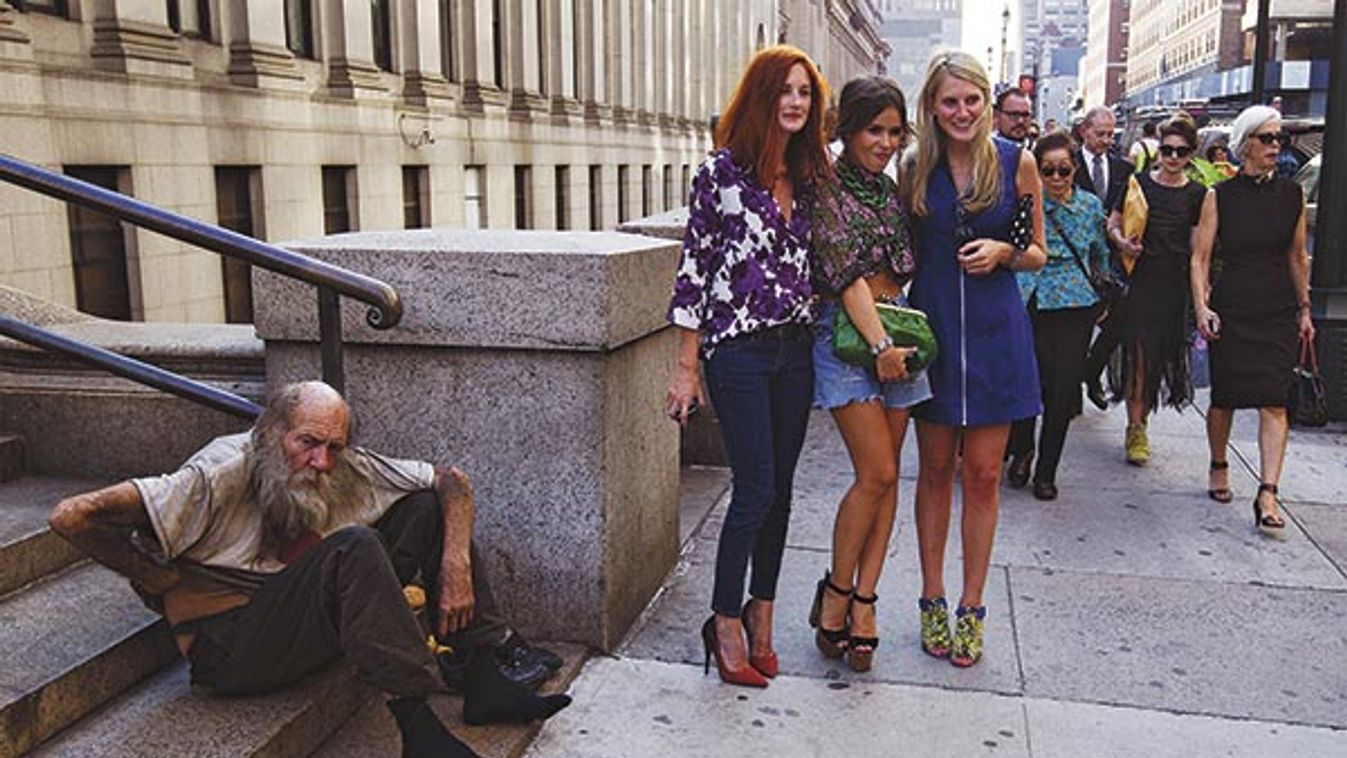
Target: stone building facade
{"points": [[914, 30], [290, 119], [1103, 71]]}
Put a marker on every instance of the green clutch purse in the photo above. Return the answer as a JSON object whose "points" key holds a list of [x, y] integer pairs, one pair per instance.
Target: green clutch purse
{"points": [[907, 326]]}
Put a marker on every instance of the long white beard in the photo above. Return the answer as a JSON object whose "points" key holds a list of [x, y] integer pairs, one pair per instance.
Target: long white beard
{"points": [[308, 500]]}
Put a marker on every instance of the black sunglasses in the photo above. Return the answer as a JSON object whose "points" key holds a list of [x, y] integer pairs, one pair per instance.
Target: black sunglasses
{"points": [[1058, 171], [1175, 151], [1267, 138]]}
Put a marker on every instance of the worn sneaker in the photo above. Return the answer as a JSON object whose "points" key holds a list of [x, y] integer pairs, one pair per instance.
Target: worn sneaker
{"points": [[934, 626], [1138, 445], [967, 648], [526, 664]]}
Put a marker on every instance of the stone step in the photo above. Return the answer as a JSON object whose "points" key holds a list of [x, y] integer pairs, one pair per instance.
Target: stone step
{"points": [[28, 549], [11, 457], [71, 643], [166, 718]]}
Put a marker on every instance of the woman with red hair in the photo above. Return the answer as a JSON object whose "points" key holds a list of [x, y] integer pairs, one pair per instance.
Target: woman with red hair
{"points": [[742, 302]]}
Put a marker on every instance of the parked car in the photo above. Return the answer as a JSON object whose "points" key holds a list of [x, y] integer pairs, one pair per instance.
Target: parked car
{"points": [[1308, 179]]}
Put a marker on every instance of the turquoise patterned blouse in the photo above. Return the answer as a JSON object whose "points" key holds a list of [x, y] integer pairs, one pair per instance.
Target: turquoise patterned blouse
{"points": [[1060, 284]]}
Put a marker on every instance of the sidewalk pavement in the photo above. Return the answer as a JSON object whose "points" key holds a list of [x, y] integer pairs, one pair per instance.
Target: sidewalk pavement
{"points": [[1131, 617]]}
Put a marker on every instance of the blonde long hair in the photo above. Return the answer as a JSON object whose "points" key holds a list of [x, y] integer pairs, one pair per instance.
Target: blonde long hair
{"points": [[931, 140]]}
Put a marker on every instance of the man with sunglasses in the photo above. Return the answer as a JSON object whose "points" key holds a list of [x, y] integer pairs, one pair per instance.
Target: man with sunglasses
{"points": [[1103, 174], [1014, 115]]}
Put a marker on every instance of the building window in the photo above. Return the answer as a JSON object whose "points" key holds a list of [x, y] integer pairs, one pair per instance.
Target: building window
{"points": [[623, 179], [338, 191], [523, 197], [596, 198], [98, 251], [447, 26], [190, 18], [563, 179], [542, 47], [381, 27], [687, 182], [415, 197], [647, 190], [299, 28], [497, 44], [474, 194], [50, 7], [668, 186], [234, 208]]}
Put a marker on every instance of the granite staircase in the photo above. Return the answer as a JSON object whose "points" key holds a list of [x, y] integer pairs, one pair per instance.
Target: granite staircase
{"points": [[89, 671], [86, 670]]}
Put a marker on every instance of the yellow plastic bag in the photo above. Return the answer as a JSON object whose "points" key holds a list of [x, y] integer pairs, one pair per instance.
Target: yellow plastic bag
{"points": [[1134, 214]]}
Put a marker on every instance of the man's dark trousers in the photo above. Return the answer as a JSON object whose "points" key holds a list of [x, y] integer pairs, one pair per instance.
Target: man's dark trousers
{"points": [[344, 596]]}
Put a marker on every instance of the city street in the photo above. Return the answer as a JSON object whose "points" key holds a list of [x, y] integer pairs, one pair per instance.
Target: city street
{"points": [[1132, 617]]}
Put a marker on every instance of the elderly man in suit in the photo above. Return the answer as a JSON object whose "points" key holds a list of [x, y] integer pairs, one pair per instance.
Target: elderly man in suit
{"points": [[1104, 174]]}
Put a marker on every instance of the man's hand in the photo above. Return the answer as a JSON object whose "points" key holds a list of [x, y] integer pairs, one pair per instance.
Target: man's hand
{"points": [[454, 489], [456, 600]]}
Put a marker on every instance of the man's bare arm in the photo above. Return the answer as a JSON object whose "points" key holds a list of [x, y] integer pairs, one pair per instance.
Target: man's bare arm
{"points": [[100, 524], [456, 599]]}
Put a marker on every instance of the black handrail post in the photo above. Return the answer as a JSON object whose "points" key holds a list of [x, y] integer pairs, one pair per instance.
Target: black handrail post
{"points": [[329, 338]]}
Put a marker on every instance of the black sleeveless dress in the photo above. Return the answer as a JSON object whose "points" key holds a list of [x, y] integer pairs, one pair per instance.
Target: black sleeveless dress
{"points": [[1154, 321], [1253, 293]]}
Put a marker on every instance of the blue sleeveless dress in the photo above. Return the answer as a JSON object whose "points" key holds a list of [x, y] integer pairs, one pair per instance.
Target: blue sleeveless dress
{"points": [[985, 372]]}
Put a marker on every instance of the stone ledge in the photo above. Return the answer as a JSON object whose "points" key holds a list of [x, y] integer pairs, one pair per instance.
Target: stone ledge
{"points": [[566, 291]]}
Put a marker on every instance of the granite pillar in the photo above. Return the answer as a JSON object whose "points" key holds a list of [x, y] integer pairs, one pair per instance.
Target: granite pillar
{"points": [[350, 58], [258, 56], [424, 83], [536, 362], [133, 37]]}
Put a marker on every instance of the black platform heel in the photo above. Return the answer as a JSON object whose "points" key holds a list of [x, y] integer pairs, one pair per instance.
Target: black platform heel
{"points": [[1270, 524], [831, 642], [1221, 494], [861, 650]]}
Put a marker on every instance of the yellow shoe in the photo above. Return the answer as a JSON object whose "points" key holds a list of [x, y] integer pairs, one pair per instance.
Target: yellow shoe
{"points": [[1138, 446]]}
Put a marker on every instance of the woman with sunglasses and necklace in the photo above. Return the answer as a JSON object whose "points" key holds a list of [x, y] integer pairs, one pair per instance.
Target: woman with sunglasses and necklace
{"points": [[963, 190], [861, 254], [1062, 307], [1153, 321], [1257, 312]]}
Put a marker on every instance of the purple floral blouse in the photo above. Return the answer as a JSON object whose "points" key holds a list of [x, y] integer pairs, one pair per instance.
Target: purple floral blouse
{"points": [[744, 267]]}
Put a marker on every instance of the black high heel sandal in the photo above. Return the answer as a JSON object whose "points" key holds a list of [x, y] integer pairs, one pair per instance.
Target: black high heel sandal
{"points": [[1270, 524], [1220, 494], [831, 642], [861, 650]]}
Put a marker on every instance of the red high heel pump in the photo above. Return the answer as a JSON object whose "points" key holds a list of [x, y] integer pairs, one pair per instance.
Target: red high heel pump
{"points": [[746, 676], [767, 663]]}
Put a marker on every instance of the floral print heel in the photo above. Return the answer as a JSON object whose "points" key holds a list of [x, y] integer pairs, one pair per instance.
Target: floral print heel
{"points": [[968, 635], [934, 626]]}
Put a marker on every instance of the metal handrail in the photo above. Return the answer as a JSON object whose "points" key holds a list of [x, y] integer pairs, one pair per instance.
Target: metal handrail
{"points": [[386, 305], [130, 368]]}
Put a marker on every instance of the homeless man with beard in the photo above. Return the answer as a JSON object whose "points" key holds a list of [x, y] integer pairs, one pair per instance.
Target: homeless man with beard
{"points": [[275, 551]]}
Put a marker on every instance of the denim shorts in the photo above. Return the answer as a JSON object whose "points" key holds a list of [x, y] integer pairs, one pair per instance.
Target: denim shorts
{"points": [[837, 383]]}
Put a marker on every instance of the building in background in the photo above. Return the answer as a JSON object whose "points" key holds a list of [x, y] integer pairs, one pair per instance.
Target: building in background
{"points": [[1103, 70], [1198, 53], [292, 119], [914, 30], [1054, 36], [843, 36]]}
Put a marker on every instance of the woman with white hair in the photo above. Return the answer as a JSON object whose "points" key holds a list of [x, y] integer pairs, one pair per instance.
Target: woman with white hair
{"points": [[1257, 311], [964, 191]]}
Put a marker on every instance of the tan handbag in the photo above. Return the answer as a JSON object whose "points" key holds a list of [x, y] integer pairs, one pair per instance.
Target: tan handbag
{"points": [[1134, 214]]}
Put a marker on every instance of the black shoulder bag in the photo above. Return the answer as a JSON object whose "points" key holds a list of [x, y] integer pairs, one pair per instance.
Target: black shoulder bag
{"points": [[1111, 288]]}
